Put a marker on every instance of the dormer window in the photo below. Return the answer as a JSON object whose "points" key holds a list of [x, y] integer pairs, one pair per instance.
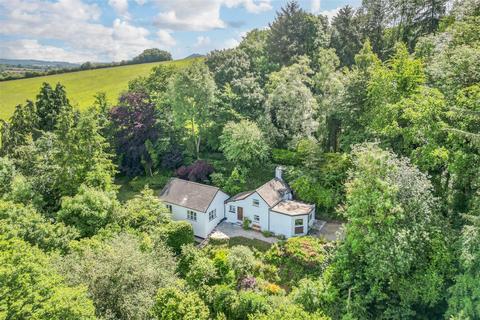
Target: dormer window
{"points": [[255, 202]]}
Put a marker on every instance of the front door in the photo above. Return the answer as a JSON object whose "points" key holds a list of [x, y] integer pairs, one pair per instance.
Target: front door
{"points": [[240, 213]]}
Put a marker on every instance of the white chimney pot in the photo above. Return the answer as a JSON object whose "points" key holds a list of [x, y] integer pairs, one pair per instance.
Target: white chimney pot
{"points": [[279, 173]]}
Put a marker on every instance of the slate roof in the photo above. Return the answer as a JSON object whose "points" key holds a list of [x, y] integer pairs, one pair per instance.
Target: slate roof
{"points": [[188, 194], [293, 208], [273, 191], [240, 196]]}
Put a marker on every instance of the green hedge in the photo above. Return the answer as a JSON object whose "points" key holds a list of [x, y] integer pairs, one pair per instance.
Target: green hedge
{"points": [[285, 157]]}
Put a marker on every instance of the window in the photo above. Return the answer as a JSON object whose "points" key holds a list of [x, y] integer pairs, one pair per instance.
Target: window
{"points": [[256, 202], [256, 218], [169, 207], [232, 209], [298, 226], [212, 214], [191, 215]]}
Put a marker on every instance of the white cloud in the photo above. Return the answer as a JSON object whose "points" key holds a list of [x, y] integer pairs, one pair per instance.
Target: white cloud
{"points": [[74, 25], [32, 49], [231, 43], [120, 7], [200, 15], [250, 5], [165, 38], [202, 42], [330, 13], [315, 6]]}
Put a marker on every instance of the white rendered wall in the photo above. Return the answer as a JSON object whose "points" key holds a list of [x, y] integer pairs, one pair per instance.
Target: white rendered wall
{"points": [[249, 210], [285, 224], [217, 203], [202, 227]]}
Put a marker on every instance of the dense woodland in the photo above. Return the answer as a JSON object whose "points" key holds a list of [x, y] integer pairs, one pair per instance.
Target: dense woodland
{"points": [[376, 116]]}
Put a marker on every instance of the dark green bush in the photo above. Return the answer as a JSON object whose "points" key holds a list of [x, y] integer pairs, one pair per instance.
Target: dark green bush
{"points": [[176, 234], [285, 157]]}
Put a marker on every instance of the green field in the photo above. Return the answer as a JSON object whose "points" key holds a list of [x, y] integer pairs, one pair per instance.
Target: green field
{"points": [[81, 86]]}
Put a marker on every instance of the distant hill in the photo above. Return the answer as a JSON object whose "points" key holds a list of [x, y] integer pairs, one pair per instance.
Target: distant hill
{"points": [[81, 86], [195, 55], [38, 63]]}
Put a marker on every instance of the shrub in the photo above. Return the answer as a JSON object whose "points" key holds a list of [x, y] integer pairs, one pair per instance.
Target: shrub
{"points": [[285, 157], [267, 233], [172, 159], [298, 257], [234, 184], [89, 210], [242, 261], [272, 288], [177, 234], [246, 223], [312, 295], [157, 181], [224, 300], [189, 253], [250, 302], [199, 171], [202, 272], [7, 171], [220, 260], [179, 303], [247, 283]]}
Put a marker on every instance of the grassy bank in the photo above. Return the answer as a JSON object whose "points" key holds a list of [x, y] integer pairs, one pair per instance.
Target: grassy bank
{"points": [[81, 86]]}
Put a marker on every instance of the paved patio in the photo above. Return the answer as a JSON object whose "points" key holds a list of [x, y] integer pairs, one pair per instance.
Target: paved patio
{"points": [[330, 231], [232, 230]]}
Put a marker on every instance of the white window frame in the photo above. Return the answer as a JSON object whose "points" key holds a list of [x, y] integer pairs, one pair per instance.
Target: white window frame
{"points": [[191, 215], [169, 207], [212, 215], [256, 218], [298, 226], [255, 202], [232, 209]]}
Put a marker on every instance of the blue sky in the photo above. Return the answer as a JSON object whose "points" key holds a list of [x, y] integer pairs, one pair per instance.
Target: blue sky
{"points": [[112, 30]]}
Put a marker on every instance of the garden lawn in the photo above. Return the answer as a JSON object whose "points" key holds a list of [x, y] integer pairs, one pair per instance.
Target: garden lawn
{"points": [[81, 86], [252, 243]]}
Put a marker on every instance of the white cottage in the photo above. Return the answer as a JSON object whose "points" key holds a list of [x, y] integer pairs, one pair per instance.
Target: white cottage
{"points": [[200, 204], [271, 208]]}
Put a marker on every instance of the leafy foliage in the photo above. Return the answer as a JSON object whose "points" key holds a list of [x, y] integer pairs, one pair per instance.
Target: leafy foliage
{"points": [[31, 289], [383, 251], [198, 171], [89, 210], [298, 257], [244, 144], [179, 303], [151, 55], [121, 278]]}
